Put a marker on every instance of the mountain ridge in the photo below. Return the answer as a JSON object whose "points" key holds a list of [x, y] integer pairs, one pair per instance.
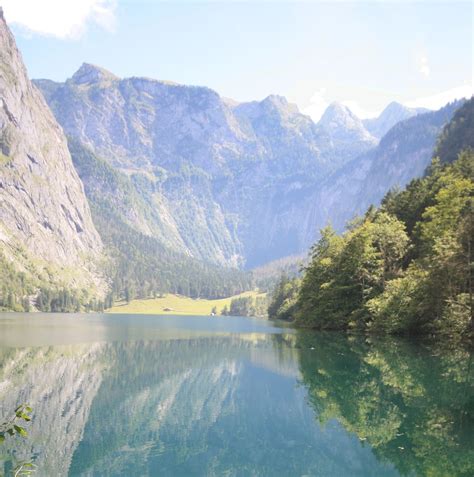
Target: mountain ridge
{"points": [[235, 177], [200, 149]]}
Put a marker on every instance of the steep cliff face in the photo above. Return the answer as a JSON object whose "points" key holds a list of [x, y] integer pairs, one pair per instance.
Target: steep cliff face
{"points": [[221, 171], [139, 123], [44, 215]]}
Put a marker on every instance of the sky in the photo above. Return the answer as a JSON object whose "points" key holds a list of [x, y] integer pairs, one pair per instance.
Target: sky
{"points": [[363, 54]]}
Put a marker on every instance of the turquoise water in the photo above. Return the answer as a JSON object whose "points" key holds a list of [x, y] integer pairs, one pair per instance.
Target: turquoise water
{"points": [[134, 395]]}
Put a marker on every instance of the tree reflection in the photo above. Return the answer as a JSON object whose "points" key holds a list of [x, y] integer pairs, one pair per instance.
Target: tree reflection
{"points": [[412, 403]]}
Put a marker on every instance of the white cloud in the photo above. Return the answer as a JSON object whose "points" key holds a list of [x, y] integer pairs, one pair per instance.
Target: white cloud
{"points": [[59, 18], [317, 104], [438, 100], [424, 67]]}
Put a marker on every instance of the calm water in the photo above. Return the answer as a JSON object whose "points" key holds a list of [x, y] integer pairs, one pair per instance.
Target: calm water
{"points": [[144, 396]]}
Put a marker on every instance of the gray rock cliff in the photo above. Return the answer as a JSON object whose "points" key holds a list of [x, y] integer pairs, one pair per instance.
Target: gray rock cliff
{"points": [[44, 215]]}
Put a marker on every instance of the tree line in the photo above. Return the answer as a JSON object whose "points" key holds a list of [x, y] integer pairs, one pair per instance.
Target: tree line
{"points": [[405, 267], [246, 306]]}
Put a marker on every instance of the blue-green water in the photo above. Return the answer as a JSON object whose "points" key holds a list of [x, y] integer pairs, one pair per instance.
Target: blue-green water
{"points": [[134, 395]]}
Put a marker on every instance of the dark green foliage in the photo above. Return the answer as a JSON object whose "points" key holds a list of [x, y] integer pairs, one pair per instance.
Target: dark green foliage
{"points": [[408, 266], [269, 275], [11, 427], [458, 134], [283, 299], [404, 268], [246, 306], [141, 267], [346, 272], [15, 287], [65, 301], [22, 293], [241, 306]]}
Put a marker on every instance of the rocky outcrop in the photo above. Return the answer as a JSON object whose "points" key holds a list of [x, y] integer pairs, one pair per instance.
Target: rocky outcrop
{"points": [[44, 215]]}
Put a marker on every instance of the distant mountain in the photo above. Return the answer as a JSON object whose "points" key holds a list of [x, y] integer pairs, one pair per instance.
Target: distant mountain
{"points": [[182, 183], [402, 154], [343, 125], [391, 115], [219, 169], [47, 236]]}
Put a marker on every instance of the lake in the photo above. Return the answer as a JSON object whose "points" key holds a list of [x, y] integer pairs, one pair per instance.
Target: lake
{"points": [[138, 395]]}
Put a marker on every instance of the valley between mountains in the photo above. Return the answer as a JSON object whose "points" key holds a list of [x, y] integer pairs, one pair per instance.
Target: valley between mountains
{"points": [[112, 188]]}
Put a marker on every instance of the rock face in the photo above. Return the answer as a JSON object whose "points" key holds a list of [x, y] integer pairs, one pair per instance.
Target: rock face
{"points": [[344, 126], [391, 115], [44, 215], [221, 171], [237, 184], [403, 154]]}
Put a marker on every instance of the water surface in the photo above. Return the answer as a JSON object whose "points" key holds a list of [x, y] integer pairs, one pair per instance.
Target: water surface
{"points": [[137, 395]]}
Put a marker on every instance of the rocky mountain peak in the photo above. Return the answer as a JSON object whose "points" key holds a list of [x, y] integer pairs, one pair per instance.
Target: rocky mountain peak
{"points": [[396, 112], [342, 124], [276, 100], [90, 74], [391, 115], [337, 114], [393, 107], [278, 106]]}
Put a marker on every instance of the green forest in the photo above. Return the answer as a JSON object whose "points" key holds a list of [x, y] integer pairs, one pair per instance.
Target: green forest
{"points": [[403, 268]]}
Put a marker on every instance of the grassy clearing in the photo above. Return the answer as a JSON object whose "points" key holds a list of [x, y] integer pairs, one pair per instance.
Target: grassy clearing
{"points": [[177, 305]]}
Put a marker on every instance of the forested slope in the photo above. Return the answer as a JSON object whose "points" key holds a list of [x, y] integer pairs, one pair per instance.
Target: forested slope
{"points": [[141, 264], [406, 267]]}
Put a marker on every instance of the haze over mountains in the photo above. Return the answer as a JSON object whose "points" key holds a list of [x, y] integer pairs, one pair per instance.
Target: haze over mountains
{"points": [[231, 179], [176, 175]]}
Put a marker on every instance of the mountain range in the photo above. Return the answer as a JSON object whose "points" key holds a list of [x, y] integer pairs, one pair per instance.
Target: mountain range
{"points": [[159, 174], [224, 176]]}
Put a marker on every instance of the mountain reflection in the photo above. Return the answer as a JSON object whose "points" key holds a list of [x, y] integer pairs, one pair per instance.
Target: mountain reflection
{"points": [[237, 404]]}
